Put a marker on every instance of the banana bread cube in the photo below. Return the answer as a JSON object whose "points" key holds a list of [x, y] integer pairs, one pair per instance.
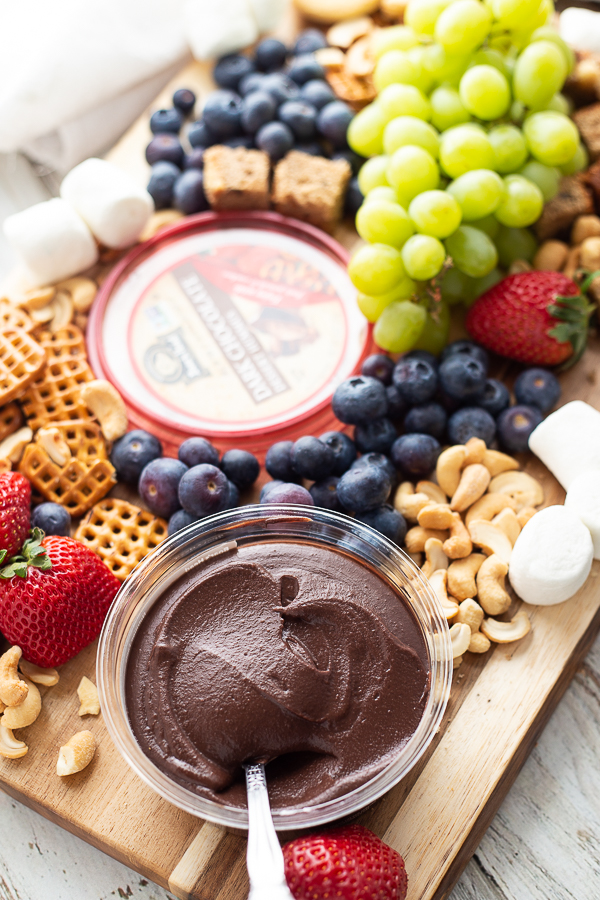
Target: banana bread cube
{"points": [[311, 188], [236, 178]]}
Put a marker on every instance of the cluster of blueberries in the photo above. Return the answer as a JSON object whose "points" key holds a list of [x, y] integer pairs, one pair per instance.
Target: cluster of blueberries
{"points": [[183, 490]]}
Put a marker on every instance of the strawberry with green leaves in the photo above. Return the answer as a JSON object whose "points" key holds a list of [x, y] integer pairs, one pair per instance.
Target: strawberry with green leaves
{"points": [[15, 500]]}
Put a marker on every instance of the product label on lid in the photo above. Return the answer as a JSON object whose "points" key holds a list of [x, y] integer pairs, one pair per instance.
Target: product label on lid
{"points": [[232, 330]]}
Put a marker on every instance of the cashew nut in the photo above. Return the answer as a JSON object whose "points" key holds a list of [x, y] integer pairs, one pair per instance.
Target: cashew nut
{"points": [[459, 544], [43, 315], [435, 557], [439, 581], [475, 451], [108, 407], [456, 663], [551, 256], [163, 217], [76, 754], [54, 444], [523, 489], [461, 576], [10, 747], [47, 677], [435, 515], [496, 462], [88, 697], [330, 57], [448, 468], [359, 61], [5, 465], [433, 491], [62, 311], [416, 557], [490, 586], [26, 712], [81, 290], [473, 484], [519, 265], [416, 538], [507, 632], [491, 539], [471, 614], [344, 33], [525, 514], [489, 506], [507, 521], [590, 253], [36, 298], [460, 636], [479, 643], [12, 689], [572, 263], [12, 447], [408, 503], [585, 226]]}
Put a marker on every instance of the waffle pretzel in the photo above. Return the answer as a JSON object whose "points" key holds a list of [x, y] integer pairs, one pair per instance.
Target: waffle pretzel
{"points": [[11, 419], [83, 480], [121, 534], [12, 316], [21, 361]]}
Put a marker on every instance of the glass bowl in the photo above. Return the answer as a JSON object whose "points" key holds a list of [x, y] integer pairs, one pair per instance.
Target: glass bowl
{"points": [[189, 548]]}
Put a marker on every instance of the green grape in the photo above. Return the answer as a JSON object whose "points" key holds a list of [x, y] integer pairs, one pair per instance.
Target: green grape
{"points": [[365, 131], [408, 130], [515, 243], [441, 66], [372, 174], [436, 213], [478, 193], [423, 257], [472, 251], [540, 72], [522, 203], [447, 109], [381, 192], [372, 307], [510, 149], [547, 178], [488, 56], [481, 285], [578, 162], [395, 67], [421, 15], [547, 33], [464, 148], [484, 91], [514, 13], [376, 269], [517, 112], [399, 326], [403, 100], [560, 103], [489, 224], [396, 37], [551, 137], [455, 286], [419, 58], [382, 222], [412, 170], [436, 329], [463, 26]]}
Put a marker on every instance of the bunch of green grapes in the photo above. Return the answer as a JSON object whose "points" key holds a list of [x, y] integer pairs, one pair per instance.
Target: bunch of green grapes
{"points": [[468, 138]]}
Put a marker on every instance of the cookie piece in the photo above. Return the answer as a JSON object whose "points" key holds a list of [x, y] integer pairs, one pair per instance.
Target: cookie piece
{"points": [[11, 419], [12, 316], [21, 361], [588, 123], [572, 200], [236, 178], [311, 188]]}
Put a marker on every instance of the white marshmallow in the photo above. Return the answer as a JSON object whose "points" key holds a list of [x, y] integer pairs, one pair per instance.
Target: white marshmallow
{"points": [[110, 202], [568, 441], [580, 28], [52, 240], [267, 13], [216, 27], [552, 557], [583, 498]]}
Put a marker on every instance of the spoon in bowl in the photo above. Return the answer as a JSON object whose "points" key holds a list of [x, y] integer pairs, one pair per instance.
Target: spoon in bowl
{"points": [[264, 857]]}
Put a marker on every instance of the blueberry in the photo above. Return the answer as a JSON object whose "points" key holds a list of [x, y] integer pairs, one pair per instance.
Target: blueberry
{"points": [[354, 198], [197, 450], [240, 140], [300, 117], [375, 437], [468, 422], [305, 67], [353, 159], [380, 366], [466, 348], [162, 182], [233, 495], [180, 519], [377, 459], [422, 354], [463, 377], [308, 41], [343, 448], [258, 108], [515, 425], [280, 87], [250, 83], [333, 121], [195, 159], [495, 397], [288, 493], [241, 467], [396, 403], [158, 485], [165, 148], [268, 487], [317, 92], [386, 521], [52, 518], [270, 55], [276, 139], [203, 490], [324, 493], [184, 100], [230, 70], [415, 454], [313, 148], [359, 399], [428, 418], [363, 488], [278, 462], [223, 113], [165, 121], [537, 387], [132, 452], [200, 135], [312, 459], [416, 379], [188, 193]]}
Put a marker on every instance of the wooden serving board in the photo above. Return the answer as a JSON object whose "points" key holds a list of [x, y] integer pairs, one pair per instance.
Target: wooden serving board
{"points": [[435, 817]]}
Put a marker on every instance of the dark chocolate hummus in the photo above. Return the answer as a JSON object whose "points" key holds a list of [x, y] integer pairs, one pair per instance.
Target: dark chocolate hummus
{"points": [[280, 651]]}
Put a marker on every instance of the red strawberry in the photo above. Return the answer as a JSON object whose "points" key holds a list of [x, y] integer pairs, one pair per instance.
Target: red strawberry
{"points": [[349, 863], [54, 598], [15, 500], [535, 317]]}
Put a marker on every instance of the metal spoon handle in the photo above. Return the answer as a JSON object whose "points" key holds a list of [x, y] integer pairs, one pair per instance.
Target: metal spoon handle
{"points": [[264, 857]]}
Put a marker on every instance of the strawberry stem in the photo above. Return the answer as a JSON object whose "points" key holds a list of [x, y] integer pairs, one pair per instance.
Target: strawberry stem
{"points": [[573, 314], [32, 554]]}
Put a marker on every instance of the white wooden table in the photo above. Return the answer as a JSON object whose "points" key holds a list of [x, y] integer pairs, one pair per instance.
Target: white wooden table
{"points": [[544, 843]]}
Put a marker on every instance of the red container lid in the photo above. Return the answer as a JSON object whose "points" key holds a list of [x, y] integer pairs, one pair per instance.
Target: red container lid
{"points": [[234, 326]]}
